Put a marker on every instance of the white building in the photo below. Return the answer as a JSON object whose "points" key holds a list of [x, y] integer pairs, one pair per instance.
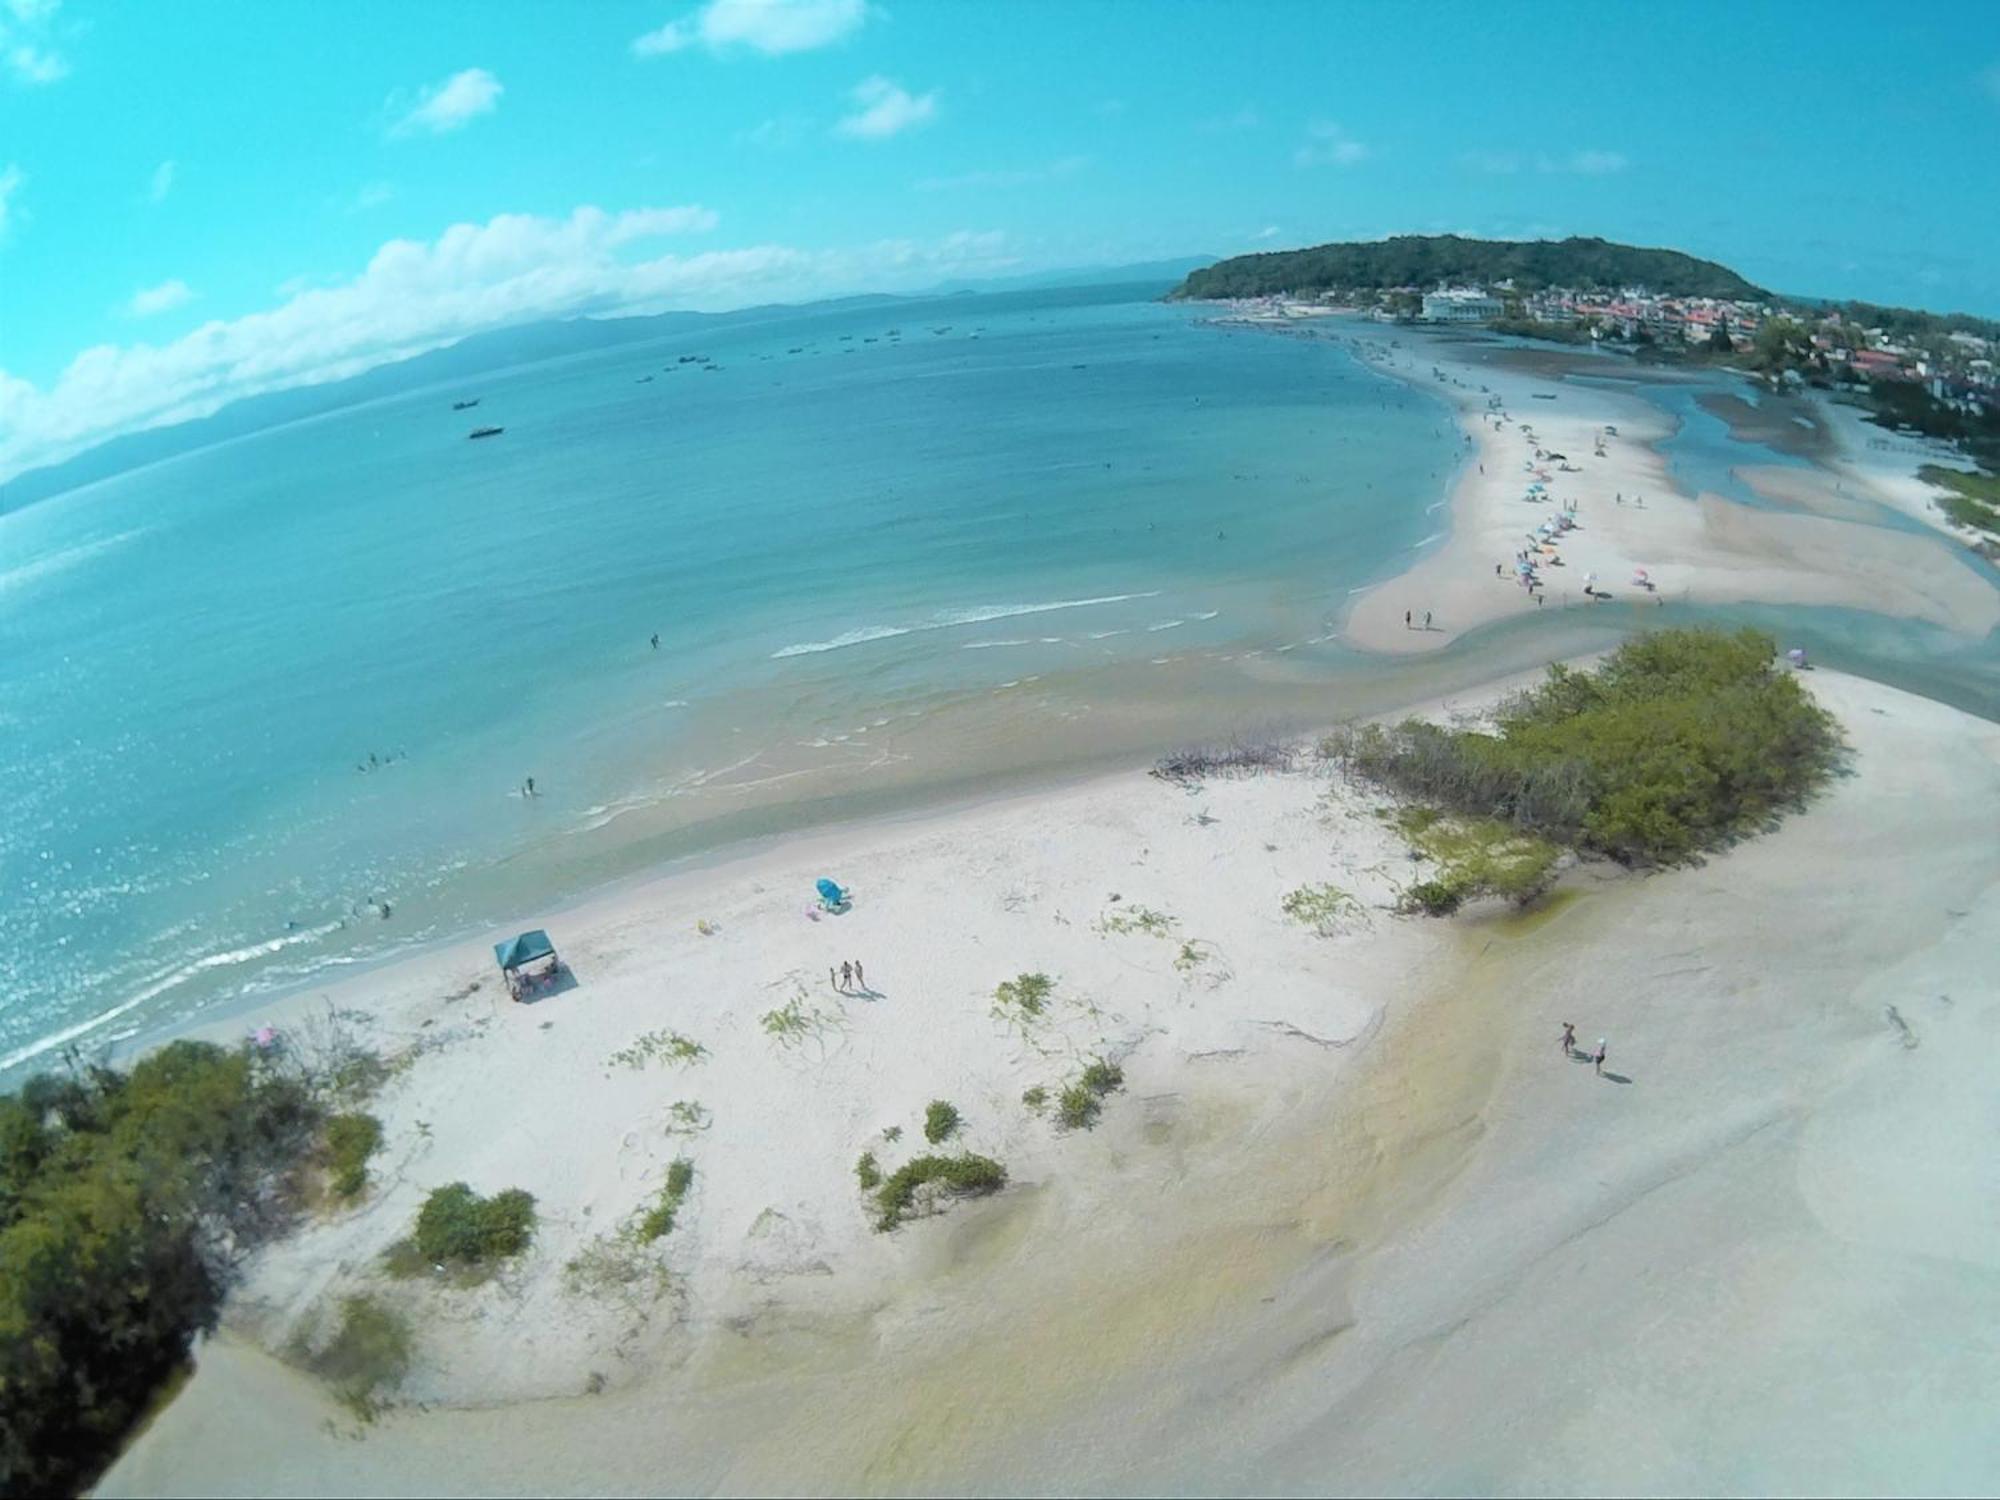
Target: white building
{"points": [[1460, 305]]}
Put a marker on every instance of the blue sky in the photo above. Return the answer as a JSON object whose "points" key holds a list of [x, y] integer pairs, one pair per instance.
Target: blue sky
{"points": [[204, 199]]}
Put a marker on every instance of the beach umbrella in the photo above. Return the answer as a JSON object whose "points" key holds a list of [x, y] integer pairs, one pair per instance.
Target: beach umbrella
{"points": [[1796, 656]]}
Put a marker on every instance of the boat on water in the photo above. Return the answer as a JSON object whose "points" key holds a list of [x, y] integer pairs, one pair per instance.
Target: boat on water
{"points": [[480, 432], [465, 405]]}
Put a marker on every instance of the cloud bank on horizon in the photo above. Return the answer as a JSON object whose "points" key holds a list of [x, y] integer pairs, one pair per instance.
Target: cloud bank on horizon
{"points": [[418, 295]]}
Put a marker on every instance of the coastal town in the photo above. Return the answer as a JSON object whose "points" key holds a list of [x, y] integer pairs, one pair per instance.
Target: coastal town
{"points": [[1792, 343]]}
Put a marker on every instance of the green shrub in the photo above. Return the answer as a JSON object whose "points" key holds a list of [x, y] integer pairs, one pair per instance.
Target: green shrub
{"points": [[1035, 1098], [867, 1172], [1435, 898], [1677, 743], [659, 1219], [1476, 857], [126, 1200], [1078, 1107], [350, 1140], [1103, 1077], [1025, 994], [1138, 919], [941, 1121], [458, 1227], [965, 1175], [660, 1046]]}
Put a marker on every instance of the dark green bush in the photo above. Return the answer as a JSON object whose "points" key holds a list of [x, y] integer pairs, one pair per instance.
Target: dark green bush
{"points": [[964, 1175], [941, 1121], [458, 1227], [867, 1172], [125, 1199], [1102, 1077], [1677, 743], [1079, 1105], [369, 1352], [350, 1140]]}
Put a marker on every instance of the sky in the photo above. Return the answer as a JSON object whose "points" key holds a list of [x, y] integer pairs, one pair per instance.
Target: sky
{"points": [[206, 199]]}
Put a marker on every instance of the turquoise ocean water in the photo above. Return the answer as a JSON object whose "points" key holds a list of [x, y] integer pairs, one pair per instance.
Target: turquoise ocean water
{"points": [[253, 693]]}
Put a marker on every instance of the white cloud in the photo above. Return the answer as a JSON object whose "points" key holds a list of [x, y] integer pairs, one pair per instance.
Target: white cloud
{"points": [[416, 295], [154, 300], [25, 48], [1584, 163], [886, 109], [12, 180], [447, 106], [1067, 166], [1327, 144], [369, 195], [1268, 232], [160, 183], [772, 27]]}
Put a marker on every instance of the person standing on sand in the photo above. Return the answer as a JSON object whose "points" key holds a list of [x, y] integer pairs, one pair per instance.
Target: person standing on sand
{"points": [[1569, 1039], [833, 976], [857, 977], [1597, 1058], [846, 975], [1427, 619]]}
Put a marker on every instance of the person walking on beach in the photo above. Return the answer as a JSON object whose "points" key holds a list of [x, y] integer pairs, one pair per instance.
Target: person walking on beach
{"points": [[1406, 619], [1427, 619], [857, 977], [1569, 1039], [1597, 1058], [846, 975]]}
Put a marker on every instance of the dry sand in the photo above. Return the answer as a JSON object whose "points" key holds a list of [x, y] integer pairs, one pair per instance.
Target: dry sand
{"points": [[1704, 549], [1354, 1225]]}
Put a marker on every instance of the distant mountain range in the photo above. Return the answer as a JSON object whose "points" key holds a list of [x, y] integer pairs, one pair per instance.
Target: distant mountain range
{"points": [[1421, 260], [483, 354]]}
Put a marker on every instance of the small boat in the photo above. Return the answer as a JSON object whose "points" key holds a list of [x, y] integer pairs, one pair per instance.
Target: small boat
{"points": [[643, 380], [480, 432], [1543, 395], [799, 350], [465, 405]]}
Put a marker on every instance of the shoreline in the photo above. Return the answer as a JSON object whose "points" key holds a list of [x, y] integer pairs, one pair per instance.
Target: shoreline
{"points": [[1701, 548], [1281, 1245]]}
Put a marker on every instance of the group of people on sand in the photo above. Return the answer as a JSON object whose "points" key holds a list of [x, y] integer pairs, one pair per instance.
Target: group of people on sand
{"points": [[1570, 1048], [848, 978]]}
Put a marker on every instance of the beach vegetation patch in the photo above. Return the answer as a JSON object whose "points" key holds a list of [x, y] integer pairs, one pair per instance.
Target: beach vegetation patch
{"points": [[867, 1172], [1079, 1105], [127, 1201], [1475, 857], [369, 1354], [941, 1121], [1137, 919], [1970, 499], [457, 1227], [1676, 744], [1023, 999], [1320, 907], [797, 1022], [1036, 1098], [668, 1047], [659, 1219], [688, 1117], [350, 1140], [926, 1180]]}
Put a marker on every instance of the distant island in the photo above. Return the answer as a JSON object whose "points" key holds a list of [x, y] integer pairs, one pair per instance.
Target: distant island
{"points": [[1419, 260]]}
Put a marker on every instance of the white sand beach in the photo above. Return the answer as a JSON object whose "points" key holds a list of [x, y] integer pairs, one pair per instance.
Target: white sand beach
{"points": [[1701, 548], [1353, 1225]]}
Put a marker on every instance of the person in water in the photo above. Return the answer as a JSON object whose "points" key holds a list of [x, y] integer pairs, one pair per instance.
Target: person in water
{"points": [[528, 787], [656, 640]]}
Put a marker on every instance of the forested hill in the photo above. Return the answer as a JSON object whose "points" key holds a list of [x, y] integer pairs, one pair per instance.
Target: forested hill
{"points": [[1418, 260]]}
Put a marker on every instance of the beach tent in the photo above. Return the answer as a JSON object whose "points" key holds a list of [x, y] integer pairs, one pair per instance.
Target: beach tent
{"points": [[831, 896], [518, 952]]}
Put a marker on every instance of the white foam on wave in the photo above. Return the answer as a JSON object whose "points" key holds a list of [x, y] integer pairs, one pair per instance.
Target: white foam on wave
{"points": [[1164, 625], [163, 982], [1435, 536], [993, 645], [1206, 615], [64, 560], [948, 619]]}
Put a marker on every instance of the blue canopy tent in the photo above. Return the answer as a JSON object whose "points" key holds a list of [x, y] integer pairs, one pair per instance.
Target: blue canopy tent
{"points": [[831, 896], [518, 953]]}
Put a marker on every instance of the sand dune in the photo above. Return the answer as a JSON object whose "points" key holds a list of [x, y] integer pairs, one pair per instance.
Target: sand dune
{"points": [[1355, 1224]]}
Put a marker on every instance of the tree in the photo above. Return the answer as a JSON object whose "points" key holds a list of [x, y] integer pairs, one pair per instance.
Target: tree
{"points": [[1718, 340]]}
